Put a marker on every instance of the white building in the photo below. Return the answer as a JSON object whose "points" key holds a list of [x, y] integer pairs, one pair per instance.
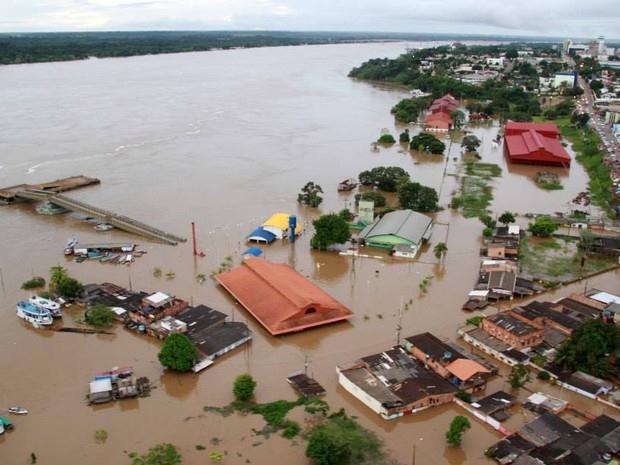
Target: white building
{"points": [[569, 79], [498, 62]]}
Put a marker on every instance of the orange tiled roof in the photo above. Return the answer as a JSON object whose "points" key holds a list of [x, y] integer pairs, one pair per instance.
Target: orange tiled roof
{"points": [[280, 298], [464, 368]]}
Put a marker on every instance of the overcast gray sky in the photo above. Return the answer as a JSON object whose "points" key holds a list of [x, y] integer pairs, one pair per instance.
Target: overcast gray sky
{"points": [[564, 18]]}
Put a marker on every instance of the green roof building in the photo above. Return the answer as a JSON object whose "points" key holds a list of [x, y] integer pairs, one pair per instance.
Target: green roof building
{"points": [[398, 228]]}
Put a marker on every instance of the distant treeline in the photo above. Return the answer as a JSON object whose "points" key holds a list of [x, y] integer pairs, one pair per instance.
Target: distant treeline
{"points": [[42, 47]]}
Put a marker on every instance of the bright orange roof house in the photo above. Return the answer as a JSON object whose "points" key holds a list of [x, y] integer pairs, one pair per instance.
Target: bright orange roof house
{"points": [[280, 298]]}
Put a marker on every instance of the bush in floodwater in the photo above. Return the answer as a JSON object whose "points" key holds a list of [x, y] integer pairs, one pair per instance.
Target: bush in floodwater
{"points": [[161, 454], [216, 456], [157, 272], [99, 316], [34, 283], [101, 435], [291, 429], [386, 139], [244, 386], [543, 375]]}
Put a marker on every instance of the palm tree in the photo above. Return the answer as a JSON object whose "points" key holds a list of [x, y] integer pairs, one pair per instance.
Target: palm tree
{"points": [[57, 275], [440, 251]]}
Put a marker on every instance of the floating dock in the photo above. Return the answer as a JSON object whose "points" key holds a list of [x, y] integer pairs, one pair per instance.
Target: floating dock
{"points": [[119, 221], [9, 194]]}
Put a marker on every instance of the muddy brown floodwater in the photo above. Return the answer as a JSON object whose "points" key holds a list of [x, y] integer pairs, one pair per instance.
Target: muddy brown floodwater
{"points": [[223, 139]]}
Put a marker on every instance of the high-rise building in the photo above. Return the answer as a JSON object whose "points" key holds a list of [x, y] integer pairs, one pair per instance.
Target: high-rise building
{"points": [[601, 45]]}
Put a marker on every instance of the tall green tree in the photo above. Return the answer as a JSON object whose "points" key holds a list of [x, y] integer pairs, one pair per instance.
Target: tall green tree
{"points": [[591, 348], [310, 195], [415, 196], [178, 353], [384, 178], [471, 143], [458, 426], [519, 375], [506, 218], [458, 119], [329, 229], [440, 250], [57, 274]]}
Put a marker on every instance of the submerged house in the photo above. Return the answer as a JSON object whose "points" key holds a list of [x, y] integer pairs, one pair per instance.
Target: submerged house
{"points": [[280, 298], [393, 384], [396, 229], [447, 362]]}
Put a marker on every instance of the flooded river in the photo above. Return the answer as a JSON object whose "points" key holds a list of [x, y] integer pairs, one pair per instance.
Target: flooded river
{"points": [[224, 139]]}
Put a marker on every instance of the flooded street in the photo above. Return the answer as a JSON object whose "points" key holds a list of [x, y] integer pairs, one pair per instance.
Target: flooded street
{"points": [[225, 139]]}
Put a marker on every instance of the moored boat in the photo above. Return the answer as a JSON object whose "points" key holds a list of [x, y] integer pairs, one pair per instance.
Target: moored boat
{"points": [[36, 316], [348, 184], [47, 304]]}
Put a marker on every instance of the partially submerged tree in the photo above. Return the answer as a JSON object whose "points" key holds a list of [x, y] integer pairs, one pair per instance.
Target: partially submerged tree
{"points": [[244, 386], [427, 142], [329, 229], [519, 375], [440, 250], [385, 178], [506, 218], [591, 348], [404, 136], [377, 197], [471, 143], [458, 119], [543, 226], [458, 426], [386, 139], [310, 195], [415, 196], [178, 353]]}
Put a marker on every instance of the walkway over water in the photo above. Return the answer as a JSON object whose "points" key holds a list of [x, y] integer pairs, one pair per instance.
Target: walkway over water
{"points": [[119, 221]]}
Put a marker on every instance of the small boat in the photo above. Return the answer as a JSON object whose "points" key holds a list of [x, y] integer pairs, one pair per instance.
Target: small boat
{"points": [[102, 227], [69, 248], [17, 410], [46, 304], [37, 316], [348, 184]]}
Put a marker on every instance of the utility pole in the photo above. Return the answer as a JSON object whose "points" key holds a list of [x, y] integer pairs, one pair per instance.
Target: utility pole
{"points": [[306, 363], [413, 455], [399, 326]]}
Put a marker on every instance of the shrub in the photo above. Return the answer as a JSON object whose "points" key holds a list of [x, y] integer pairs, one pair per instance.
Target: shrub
{"points": [[404, 136], [69, 288], [244, 386], [543, 375], [101, 435], [178, 353], [386, 139], [291, 429], [543, 226], [346, 214], [161, 454], [34, 283], [464, 396], [458, 426]]}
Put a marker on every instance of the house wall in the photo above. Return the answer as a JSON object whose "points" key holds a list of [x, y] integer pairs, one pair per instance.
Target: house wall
{"points": [[489, 350], [361, 395], [518, 342], [432, 364]]}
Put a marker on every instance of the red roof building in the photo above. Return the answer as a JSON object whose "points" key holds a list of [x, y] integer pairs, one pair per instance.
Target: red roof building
{"points": [[534, 144], [280, 298], [438, 121]]}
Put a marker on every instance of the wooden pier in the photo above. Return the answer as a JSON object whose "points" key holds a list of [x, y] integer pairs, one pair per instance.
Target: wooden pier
{"points": [[119, 221], [9, 194]]}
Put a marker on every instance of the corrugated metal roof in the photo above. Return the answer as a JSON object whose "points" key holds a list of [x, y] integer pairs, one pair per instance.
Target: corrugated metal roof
{"points": [[406, 224]]}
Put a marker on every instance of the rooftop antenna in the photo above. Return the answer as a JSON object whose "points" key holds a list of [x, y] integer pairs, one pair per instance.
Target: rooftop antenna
{"points": [[196, 253]]}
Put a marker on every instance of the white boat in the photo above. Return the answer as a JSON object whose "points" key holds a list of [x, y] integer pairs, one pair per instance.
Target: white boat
{"points": [[17, 410], [46, 304], [37, 316], [101, 227]]}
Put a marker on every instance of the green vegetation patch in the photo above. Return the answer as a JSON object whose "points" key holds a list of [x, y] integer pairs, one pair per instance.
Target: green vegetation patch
{"points": [[558, 259], [585, 143], [475, 193]]}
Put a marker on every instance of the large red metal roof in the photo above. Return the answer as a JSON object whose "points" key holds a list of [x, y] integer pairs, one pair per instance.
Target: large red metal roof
{"points": [[280, 298], [532, 146]]}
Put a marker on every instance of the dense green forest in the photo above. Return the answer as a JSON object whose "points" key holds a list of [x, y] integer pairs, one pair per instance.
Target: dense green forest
{"points": [[41, 47]]}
